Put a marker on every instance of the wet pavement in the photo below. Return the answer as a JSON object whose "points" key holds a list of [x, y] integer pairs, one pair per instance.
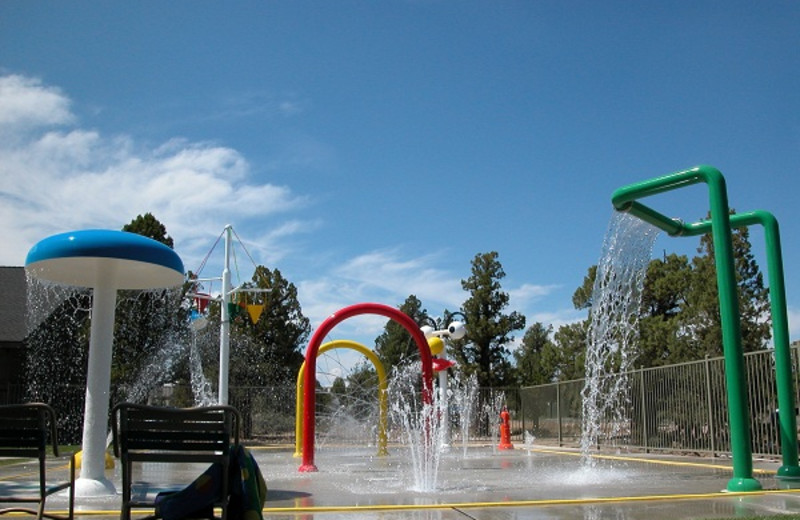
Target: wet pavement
{"points": [[481, 483]]}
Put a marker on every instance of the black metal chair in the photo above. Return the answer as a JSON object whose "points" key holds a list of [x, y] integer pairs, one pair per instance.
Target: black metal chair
{"points": [[25, 430], [172, 435]]}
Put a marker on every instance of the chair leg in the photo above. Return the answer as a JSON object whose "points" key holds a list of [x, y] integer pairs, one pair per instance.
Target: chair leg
{"points": [[72, 487]]}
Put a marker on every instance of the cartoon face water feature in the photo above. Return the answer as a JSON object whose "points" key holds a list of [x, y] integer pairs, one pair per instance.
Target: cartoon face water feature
{"points": [[105, 261]]}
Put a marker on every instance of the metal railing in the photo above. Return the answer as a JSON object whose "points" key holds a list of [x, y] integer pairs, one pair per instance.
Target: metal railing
{"points": [[677, 408]]}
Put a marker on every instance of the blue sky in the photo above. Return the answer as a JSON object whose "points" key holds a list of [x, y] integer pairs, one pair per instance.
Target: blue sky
{"points": [[369, 150]]}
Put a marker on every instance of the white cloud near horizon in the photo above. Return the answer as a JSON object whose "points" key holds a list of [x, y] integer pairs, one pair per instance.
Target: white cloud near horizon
{"points": [[793, 317], [57, 177], [388, 271], [26, 103]]}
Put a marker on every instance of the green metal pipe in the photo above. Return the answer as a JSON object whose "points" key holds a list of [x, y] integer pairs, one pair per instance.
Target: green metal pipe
{"points": [[783, 357], [671, 226], [780, 332], [623, 200], [738, 413], [659, 185]]}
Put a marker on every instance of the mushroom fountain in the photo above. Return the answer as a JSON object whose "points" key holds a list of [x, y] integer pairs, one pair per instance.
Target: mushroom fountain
{"points": [[105, 261]]}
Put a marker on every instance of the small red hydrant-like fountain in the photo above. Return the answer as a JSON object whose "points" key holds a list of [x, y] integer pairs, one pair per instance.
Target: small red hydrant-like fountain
{"points": [[505, 431]]}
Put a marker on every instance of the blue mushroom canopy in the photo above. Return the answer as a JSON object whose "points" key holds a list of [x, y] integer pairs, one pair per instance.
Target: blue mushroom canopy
{"points": [[101, 257]]}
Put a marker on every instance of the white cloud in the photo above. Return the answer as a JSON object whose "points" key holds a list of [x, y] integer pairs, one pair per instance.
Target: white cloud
{"points": [[557, 318], [794, 322], [522, 297], [260, 104], [26, 103], [399, 277], [388, 276], [383, 276], [529, 292], [56, 177]]}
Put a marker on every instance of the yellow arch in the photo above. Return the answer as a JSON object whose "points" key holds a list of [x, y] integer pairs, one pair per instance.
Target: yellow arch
{"points": [[382, 390]]}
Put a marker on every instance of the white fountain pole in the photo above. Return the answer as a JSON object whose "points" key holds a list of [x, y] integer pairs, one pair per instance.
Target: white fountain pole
{"points": [[225, 319], [444, 408], [92, 481], [455, 330], [104, 261]]}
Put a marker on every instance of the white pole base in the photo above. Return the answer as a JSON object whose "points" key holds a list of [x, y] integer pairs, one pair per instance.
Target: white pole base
{"points": [[90, 487]]}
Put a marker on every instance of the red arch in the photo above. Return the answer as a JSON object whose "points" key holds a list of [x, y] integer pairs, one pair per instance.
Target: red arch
{"points": [[309, 393]]}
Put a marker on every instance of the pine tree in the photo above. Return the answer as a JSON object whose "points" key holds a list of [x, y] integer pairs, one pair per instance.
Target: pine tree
{"points": [[753, 297], [149, 226], [147, 324], [483, 351], [267, 351], [662, 332], [570, 340], [395, 346], [537, 359]]}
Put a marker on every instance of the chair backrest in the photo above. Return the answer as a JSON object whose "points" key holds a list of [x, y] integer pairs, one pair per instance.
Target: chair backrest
{"points": [[25, 430], [146, 429]]}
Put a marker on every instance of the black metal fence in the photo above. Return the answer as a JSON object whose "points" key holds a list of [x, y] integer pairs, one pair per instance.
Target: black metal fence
{"points": [[677, 408]]}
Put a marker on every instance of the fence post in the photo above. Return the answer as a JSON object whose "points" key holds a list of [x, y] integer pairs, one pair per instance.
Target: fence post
{"points": [[712, 435], [644, 411], [522, 412], [558, 412]]}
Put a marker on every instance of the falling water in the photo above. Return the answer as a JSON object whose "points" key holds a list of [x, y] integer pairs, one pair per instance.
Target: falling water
{"points": [[58, 325], [419, 425], [613, 331], [491, 413], [56, 354], [464, 398], [201, 387]]}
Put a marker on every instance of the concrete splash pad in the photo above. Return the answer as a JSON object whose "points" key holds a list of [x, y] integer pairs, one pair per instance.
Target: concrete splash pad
{"points": [[520, 480], [485, 484]]}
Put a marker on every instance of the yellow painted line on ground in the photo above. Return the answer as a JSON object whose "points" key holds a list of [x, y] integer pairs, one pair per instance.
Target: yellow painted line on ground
{"points": [[651, 461], [32, 473], [270, 447], [517, 503], [473, 505]]}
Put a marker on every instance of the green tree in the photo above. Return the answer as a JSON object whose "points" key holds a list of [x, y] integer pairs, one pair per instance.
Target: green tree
{"points": [[582, 297], [267, 351], [339, 388], [265, 347], [395, 346], [483, 351], [362, 391], [537, 359], [679, 319], [570, 340], [150, 329], [662, 336], [149, 226], [704, 316]]}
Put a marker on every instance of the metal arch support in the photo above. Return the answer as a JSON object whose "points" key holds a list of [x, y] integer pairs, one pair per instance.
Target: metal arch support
{"points": [[383, 407], [309, 394]]}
